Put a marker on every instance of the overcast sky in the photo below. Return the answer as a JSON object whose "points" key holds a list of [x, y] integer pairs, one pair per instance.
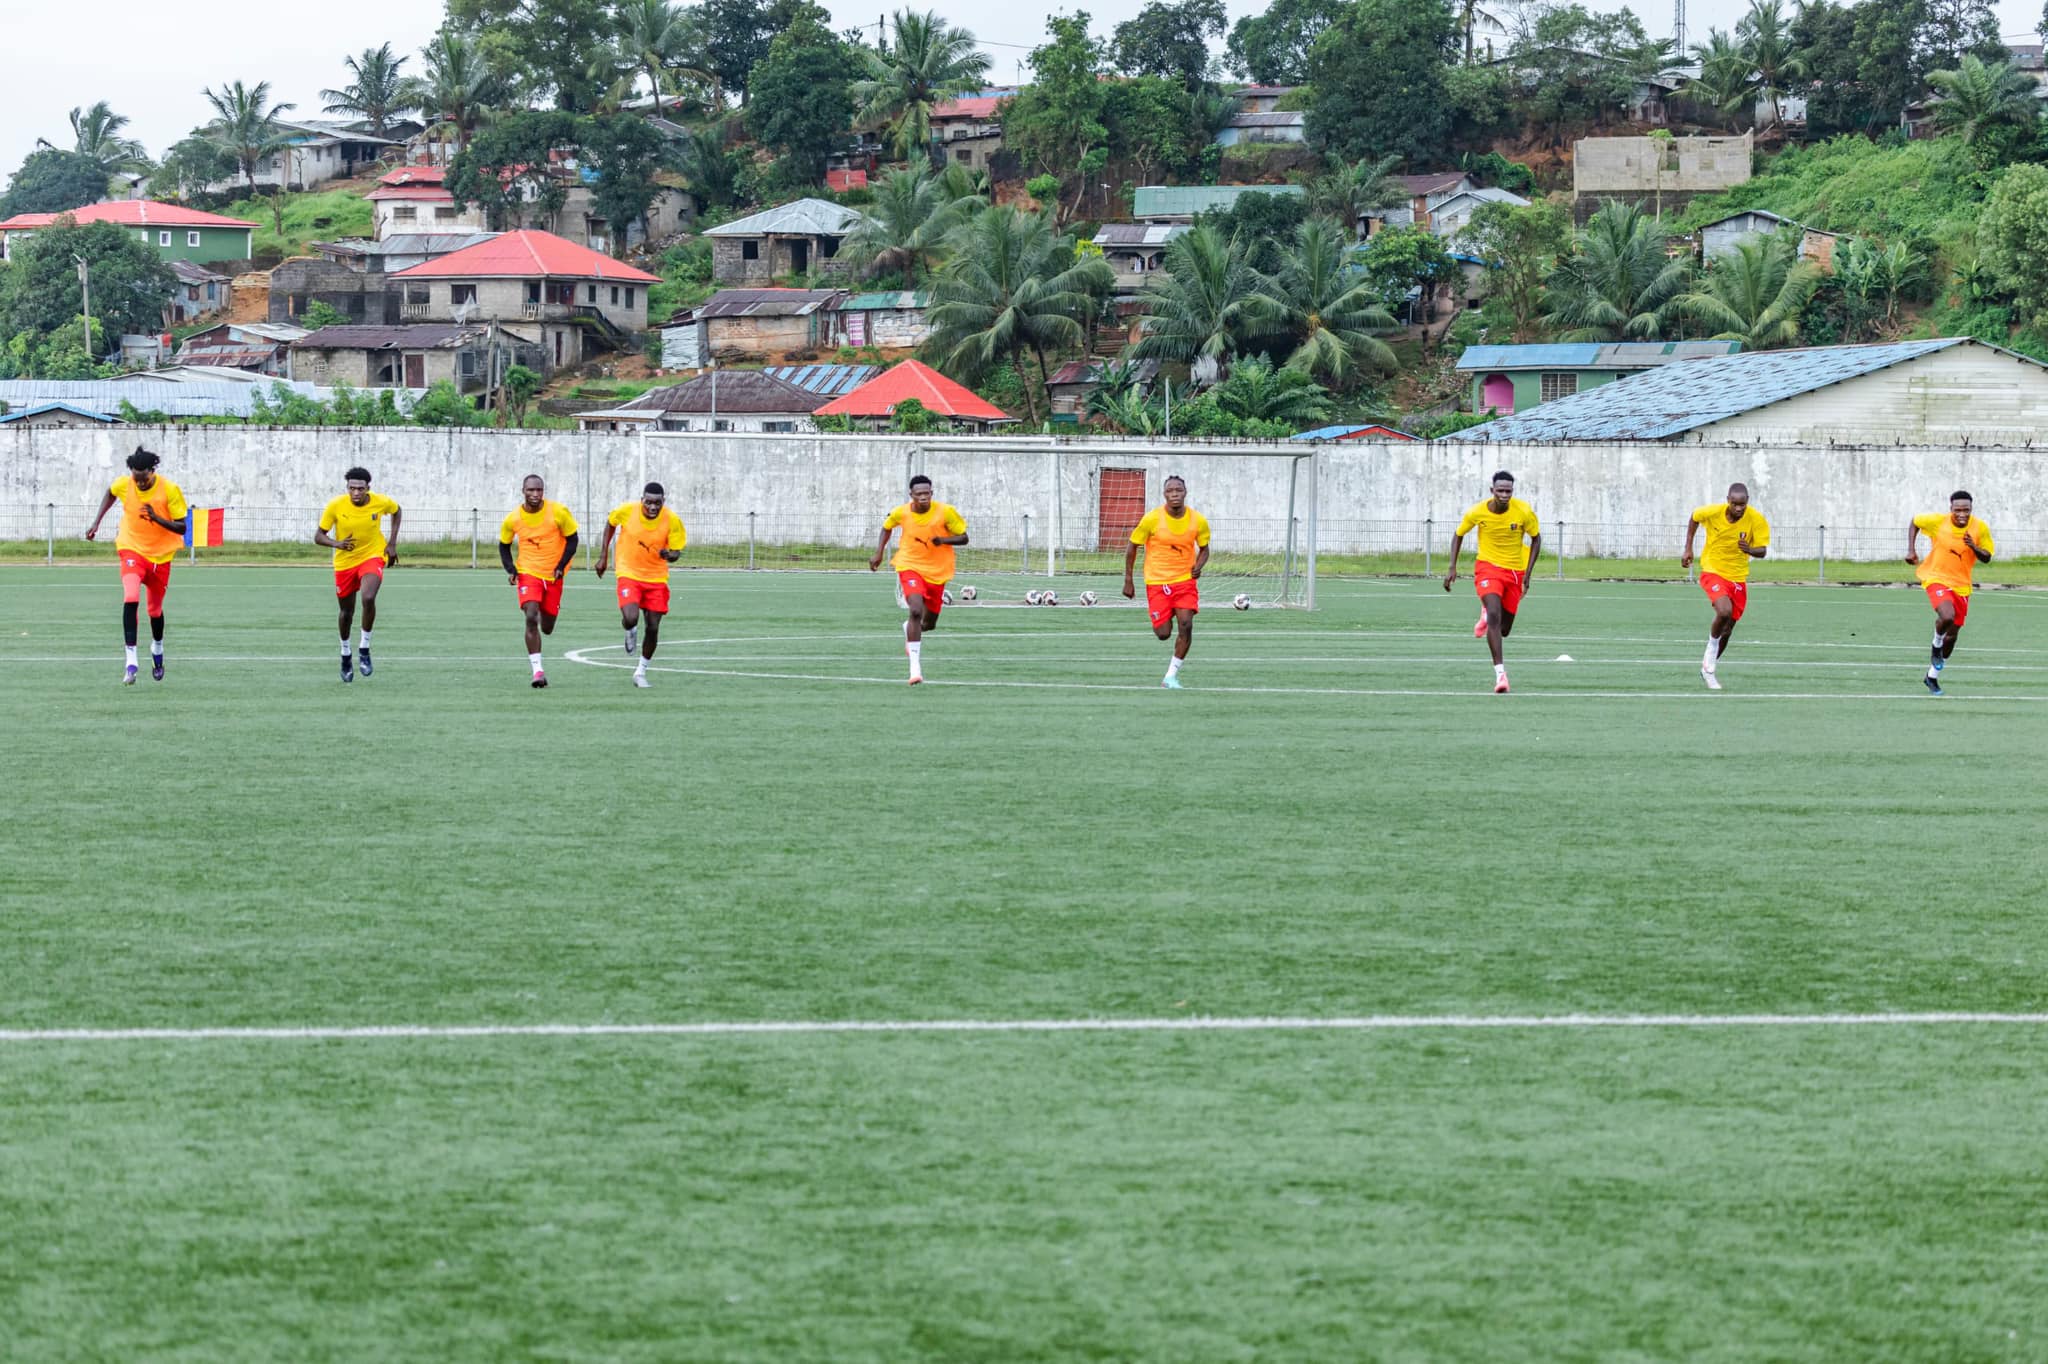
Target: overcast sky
{"points": [[150, 61]]}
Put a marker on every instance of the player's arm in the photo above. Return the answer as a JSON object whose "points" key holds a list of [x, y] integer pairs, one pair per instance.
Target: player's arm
{"points": [[174, 524], [959, 539], [604, 549], [107, 501], [1753, 551], [505, 558], [1692, 530], [881, 546], [1130, 563], [391, 540], [1912, 542], [1535, 552], [323, 536], [1982, 552], [1201, 559], [568, 554], [1451, 573]]}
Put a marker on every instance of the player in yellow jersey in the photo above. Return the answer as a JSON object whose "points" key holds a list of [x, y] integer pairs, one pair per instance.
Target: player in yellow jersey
{"points": [[546, 535], [1957, 543], [1176, 541], [650, 537], [1502, 574], [352, 525], [923, 562], [153, 521], [1735, 535]]}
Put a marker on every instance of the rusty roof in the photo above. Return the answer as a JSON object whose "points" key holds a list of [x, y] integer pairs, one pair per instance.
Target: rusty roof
{"points": [[413, 336], [748, 391]]}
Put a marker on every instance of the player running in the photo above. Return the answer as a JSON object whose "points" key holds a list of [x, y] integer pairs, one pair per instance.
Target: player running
{"points": [[352, 525], [547, 538], [650, 539], [1735, 535], [1957, 543], [923, 562], [1503, 521], [1176, 541], [153, 521]]}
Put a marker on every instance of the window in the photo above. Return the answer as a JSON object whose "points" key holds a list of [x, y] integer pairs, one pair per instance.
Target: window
{"points": [[417, 295], [404, 213], [142, 237], [590, 294], [964, 155], [721, 425], [163, 239], [750, 250], [192, 293], [191, 239], [533, 291], [466, 364], [615, 295], [1559, 386], [444, 214], [461, 293], [778, 428], [629, 298], [828, 247]]}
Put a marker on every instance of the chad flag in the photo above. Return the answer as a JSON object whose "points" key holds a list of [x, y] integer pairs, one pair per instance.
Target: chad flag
{"points": [[203, 527]]}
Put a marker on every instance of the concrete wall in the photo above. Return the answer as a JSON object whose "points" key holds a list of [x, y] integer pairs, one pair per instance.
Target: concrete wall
{"points": [[1594, 499], [1630, 165], [295, 285]]}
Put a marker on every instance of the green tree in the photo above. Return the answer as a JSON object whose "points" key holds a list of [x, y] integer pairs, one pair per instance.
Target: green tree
{"points": [[1891, 64], [625, 153], [1755, 294], [458, 92], [1874, 280], [1263, 225], [508, 168], [709, 167], [1726, 82], [245, 125], [1323, 304], [927, 62], [1378, 74], [664, 42], [550, 42], [1617, 283], [1272, 45], [1255, 391], [378, 91], [1204, 307], [320, 313], [1056, 121], [1351, 191], [1520, 246], [51, 180], [803, 102], [1159, 127], [912, 418], [1767, 43], [96, 135], [738, 33], [2012, 238], [1977, 99], [1404, 258], [1169, 38], [1013, 285], [1580, 66], [130, 282], [907, 228], [1953, 29], [1824, 34], [189, 167], [521, 386]]}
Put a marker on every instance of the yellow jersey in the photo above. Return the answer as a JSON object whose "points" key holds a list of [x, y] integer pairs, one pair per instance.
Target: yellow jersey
{"points": [[641, 541], [1171, 544], [917, 554], [344, 520], [1722, 556], [142, 536], [1948, 560], [541, 536], [1501, 534]]}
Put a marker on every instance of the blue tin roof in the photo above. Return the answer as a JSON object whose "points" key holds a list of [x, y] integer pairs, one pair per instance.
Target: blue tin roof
{"points": [[1592, 355], [73, 408], [830, 380], [1673, 399]]}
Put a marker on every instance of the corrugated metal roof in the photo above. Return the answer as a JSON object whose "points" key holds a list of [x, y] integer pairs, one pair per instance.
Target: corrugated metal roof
{"points": [[1354, 431], [1185, 201], [189, 273], [749, 391], [411, 336], [1592, 355], [40, 408], [173, 400], [829, 380], [767, 302], [1138, 234], [1089, 371], [1669, 401], [1273, 120], [885, 300], [804, 218]]}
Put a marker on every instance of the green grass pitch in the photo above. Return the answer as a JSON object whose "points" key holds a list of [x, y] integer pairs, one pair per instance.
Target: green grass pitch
{"points": [[1334, 820]]}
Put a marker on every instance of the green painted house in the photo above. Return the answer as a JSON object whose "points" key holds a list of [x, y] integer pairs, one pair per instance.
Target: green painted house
{"points": [[177, 233], [1507, 379]]}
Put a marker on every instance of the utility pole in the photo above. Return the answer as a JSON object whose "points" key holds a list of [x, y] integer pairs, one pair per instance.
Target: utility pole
{"points": [[85, 300], [1678, 30]]}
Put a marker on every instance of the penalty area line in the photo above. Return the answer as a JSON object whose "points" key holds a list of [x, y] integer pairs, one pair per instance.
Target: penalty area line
{"points": [[805, 1027]]}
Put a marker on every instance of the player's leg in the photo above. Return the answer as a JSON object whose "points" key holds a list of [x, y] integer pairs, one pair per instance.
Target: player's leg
{"points": [[346, 624], [653, 608], [1718, 630], [131, 613], [629, 613], [155, 586], [1183, 639], [1945, 628], [1498, 622], [369, 585], [530, 609]]}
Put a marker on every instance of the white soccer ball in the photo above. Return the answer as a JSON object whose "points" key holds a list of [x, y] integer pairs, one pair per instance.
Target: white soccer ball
{"points": [[1033, 597], [1048, 598], [1089, 599], [1241, 602], [946, 597], [969, 593]]}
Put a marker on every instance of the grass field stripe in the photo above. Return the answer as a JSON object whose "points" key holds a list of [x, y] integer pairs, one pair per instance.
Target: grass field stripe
{"points": [[812, 1027]]}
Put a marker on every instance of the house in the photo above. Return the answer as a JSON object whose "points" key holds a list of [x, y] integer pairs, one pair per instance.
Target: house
{"points": [[1180, 203], [1666, 171], [877, 399], [200, 291], [145, 350], [416, 355], [353, 276], [1275, 127], [721, 400], [1261, 99], [798, 238], [415, 199], [1650, 98], [177, 232], [567, 300], [1517, 378], [259, 346], [1136, 250], [891, 320], [57, 414], [827, 380], [315, 150], [1421, 194], [1349, 431], [1071, 384], [750, 324], [1721, 236], [968, 131], [1448, 217], [1946, 391]]}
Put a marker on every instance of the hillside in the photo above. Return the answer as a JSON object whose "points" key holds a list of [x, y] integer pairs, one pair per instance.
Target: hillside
{"points": [[319, 216]]}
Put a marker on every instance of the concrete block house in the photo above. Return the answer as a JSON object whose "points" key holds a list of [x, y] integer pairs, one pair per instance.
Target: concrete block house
{"points": [[177, 233], [415, 199], [569, 302], [1509, 379], [800, 238]]}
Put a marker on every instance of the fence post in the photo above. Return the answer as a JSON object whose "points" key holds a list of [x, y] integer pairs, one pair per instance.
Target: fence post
{"points": [[472, 537], [750, 542], [1560, 551], [1429, 546], [50, 533], [1027, 542], [1823, 555]]}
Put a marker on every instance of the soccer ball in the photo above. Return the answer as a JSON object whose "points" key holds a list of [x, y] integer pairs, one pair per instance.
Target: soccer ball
{"points": [[946, 597], [1048, 598], [1089, 599], [1241, 602], [1033, 597], [969, 593]]}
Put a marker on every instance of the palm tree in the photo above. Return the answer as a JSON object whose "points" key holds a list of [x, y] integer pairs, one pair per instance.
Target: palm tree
{"points": [[1346, 195], [245, 125], [1013, 285], [1127, 410], [711, 172], [1618, 281], [1726, 80], [929, 62], [1256, 391], [1767, 45], [458, 93], [906, 228], [96, 136], [1755, 295], [379, 90], [1320, 297], [1874, 278], [1204, 306], [1976, 97]]}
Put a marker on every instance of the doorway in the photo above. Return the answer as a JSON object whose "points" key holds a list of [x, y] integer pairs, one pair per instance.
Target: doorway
{"points": [[1119, 506], [799, 258]]}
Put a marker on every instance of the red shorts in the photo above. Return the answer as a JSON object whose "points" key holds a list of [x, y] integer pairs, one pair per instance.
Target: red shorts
{"points": [[1937, 593], [1716, 587], [915, 586], [547, 593], [1491, 580], [1163, 599], [347, 581], [155, 578], [647, 596]]}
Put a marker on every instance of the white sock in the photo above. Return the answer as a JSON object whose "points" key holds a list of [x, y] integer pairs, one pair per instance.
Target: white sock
{"points": [[156, 648], [534, 659], [344, 646], [1937, 641], [1173, 666], [1713, 652], [1931, 672], [365, 639], [131, 654], [916, 647], [1500, 671], [641, 666]]}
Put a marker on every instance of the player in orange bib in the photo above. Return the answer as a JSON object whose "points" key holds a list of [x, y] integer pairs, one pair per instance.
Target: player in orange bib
{"points": [[1735, 535], [650, 537], [1957, 543], [1502, 574], [546, 536], [1176, 541], [352, 525], [923, 562], [153, 521]]}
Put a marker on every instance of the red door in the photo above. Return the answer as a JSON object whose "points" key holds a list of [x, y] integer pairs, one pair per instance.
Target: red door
{"points": [[415, 371], [1120, 505]]}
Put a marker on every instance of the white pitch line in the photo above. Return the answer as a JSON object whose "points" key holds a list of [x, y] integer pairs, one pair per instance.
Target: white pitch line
{"points": [[783, 1027]]}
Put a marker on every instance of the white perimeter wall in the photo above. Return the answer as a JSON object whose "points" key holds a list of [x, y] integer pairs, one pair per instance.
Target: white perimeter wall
{"points": [[1608, 498]]}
